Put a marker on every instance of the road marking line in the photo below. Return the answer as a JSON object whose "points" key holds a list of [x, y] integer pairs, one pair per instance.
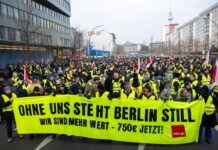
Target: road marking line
{"points": [[46, 141], [141, 146], [15, 129]]}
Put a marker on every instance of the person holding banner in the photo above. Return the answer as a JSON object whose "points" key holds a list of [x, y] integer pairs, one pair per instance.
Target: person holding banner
{"points": [[209, 116], [128, 93], [165, 95], [6, 101], [101, 93], [116, 86], [147, 94], [91, 87]]}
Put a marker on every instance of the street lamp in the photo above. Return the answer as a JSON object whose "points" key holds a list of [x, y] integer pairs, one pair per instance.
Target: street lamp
{"points": [[90, 38]]}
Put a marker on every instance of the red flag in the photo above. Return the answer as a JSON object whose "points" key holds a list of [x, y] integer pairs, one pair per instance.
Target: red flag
{"points": [[137, 68], [215, 75], [207, 58], [173, 56], [26, 76], [148, 62], [93, 65]]}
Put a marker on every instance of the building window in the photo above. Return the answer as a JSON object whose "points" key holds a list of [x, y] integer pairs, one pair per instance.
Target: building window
{"points": [[33, 4], [44, 23], [40, 7], [25, 1], [49, 11], [5, 33], [38, 21], [41, 22], [16, 13], [11, 34], [10, 12], [18, 35], [4, 10], [47, 24], [52, 13], [1, 33], [43, 8], [37, 6], [20, 15], [34, 20], [39, 38]]}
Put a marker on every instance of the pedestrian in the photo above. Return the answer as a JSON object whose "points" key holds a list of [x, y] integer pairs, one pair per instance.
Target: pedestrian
{"points": [[6, 101], [209, 116]]}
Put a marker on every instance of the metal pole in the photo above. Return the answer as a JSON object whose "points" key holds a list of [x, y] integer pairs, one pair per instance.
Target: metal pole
{"points": [[90, 38]]}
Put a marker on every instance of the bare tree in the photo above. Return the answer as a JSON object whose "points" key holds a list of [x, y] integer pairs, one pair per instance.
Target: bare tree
{"points": [[29, 25], [78, 41]]}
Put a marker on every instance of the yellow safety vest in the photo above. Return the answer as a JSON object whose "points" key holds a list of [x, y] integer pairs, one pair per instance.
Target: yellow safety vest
{"points": [[67, 83], [24, 87], [124, 96], [116, 86], [183, 75], [6, 99], [194, 83], [51, 84], [173, 92], [216, 89], [15, 80], [152, 85], [206, 80], [209, 106], [137, 90], [196, 76], [104, 95], [148, 98]]}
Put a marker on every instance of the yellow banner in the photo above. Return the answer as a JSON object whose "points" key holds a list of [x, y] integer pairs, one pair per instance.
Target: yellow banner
{"points": [[154, 122]]}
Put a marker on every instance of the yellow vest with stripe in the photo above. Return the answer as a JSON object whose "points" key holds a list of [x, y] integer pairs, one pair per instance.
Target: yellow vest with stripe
{"points": [[116, 86], [6, 99], [209, 106], [206, 80], [173, 92]]}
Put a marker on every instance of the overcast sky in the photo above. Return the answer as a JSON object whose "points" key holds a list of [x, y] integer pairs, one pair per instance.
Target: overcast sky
{"points": [[133, 20]]}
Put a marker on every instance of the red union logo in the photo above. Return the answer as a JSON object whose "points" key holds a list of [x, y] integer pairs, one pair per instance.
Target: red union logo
{"points": [[178, 131]]}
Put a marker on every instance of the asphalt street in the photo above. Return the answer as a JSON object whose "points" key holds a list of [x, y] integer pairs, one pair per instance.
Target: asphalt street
{"points": [[47, 142]]}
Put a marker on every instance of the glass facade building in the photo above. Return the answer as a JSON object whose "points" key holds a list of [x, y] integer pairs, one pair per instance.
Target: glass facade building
{"points": [[39, 26]]}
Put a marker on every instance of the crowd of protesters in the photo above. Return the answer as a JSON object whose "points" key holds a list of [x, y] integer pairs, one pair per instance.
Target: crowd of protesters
{"points": [[179, 79]]}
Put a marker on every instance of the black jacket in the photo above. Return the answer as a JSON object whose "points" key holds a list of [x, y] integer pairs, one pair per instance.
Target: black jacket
{"points": [[209, 120], [2, 102]]}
